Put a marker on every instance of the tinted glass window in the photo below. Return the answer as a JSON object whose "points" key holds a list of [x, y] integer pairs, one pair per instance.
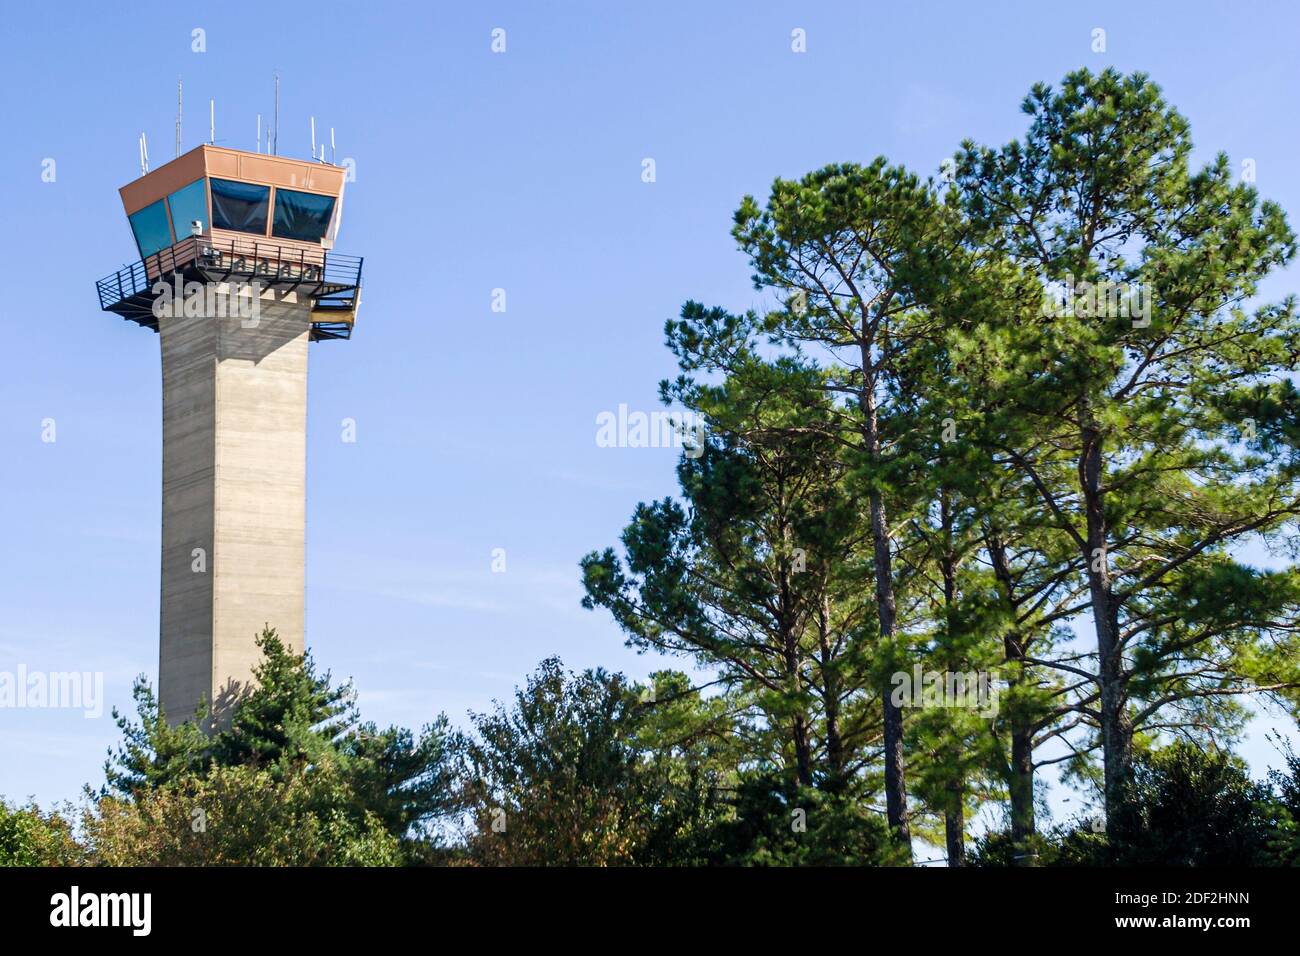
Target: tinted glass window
{"points": [[303, 216], [239, 206], [150, 228], [188, 204]]}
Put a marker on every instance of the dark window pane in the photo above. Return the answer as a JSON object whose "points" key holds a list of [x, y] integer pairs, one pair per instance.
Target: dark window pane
{"points": [[150, 228], [239, 206], [303, 216], [188, 204]]}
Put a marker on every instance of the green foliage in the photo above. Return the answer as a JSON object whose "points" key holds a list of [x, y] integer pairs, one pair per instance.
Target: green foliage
{"points": [[757, 573], [293, 722], [242, 816], [1186, 806], [585, 769], [152, 753], [773, 823], [1078, 844], [31, 837], [981, 468], [1129, 412], [562, 778], [1193, 807], [405, 780], [292, 715]]}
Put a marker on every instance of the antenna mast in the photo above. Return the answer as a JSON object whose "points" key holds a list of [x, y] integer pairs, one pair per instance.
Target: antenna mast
{"points": [[179, 110], [212, 122], [275, 139]]}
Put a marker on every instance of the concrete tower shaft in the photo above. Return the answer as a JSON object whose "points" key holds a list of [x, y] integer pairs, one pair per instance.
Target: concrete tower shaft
{"points": [[234, 487]]}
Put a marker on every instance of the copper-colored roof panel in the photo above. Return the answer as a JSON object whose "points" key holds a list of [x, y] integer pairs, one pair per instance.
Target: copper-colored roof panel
{"points": [[222, 163], [163, 181], [272, 172], [326, 179]]}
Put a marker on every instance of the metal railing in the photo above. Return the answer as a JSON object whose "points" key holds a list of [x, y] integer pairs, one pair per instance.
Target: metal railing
{"points": [[330, 274]]}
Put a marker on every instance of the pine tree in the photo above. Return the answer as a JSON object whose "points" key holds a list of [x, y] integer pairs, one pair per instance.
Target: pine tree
{"points": [[752, 574], [152, 753], [295, 721], [293, 715], [853, 250], [1123, 405]]}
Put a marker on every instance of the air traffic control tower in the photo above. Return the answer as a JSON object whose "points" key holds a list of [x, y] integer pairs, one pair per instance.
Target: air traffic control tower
{"points": [[237, 274]]}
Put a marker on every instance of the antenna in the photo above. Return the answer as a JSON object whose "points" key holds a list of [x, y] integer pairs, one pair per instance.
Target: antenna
{"points": [[179, 110], [259, 132], [313, 137], [332, 163], [212, 122], [275, 142], [144, 155]]}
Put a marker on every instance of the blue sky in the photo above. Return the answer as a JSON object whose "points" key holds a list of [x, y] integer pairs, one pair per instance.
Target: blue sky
{"points": [[476, 171]]}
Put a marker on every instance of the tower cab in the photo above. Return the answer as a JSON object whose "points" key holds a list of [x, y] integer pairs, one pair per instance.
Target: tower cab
{"points": [[217, 214]]}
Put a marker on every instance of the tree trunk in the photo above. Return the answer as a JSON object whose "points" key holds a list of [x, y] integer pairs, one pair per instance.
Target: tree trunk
{"points": [[954, 817], [954, 825], [830, 700], [1020, 772], [1021, 789], [1116, 728], [790, 648], [802, 753], [895, 771]]}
